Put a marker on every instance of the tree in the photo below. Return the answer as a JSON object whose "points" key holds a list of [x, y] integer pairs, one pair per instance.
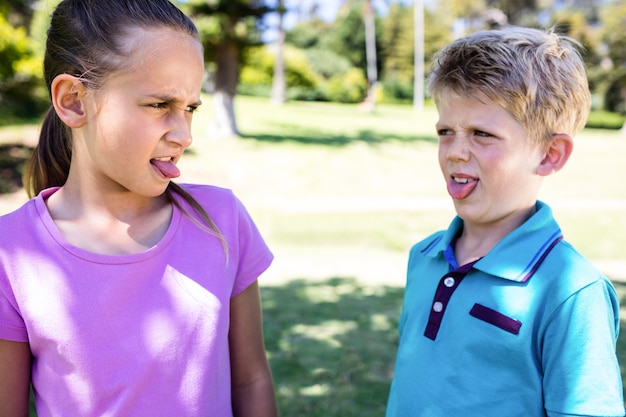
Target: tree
{"points": [[418, 71], [227, 29], [370, 53], [20, 66], [279, 85], [613, 18], [347, 36]]}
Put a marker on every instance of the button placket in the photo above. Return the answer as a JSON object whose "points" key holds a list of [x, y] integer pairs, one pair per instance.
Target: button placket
{"points": [[447, 285]]}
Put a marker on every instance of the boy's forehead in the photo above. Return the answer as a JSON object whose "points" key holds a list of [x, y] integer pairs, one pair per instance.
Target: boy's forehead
{"points": [[450, 94]]}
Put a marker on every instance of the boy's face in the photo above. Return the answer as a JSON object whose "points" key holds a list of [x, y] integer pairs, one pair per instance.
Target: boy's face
{"points": [[487, 161]]}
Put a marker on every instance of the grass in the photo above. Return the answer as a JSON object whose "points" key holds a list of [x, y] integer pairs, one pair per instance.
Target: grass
{"points": [[340, 196], [330, 345]]}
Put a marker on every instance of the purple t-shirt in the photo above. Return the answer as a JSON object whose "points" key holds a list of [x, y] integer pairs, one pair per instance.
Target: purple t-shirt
{"points": [[135, 335]]}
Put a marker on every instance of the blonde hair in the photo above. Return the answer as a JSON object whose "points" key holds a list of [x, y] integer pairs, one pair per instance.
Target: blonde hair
{"points": [[537, 76]]}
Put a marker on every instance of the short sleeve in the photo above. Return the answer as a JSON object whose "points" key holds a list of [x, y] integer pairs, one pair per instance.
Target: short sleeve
{"points": [[581, 373], [254, 256], [12, 325]]}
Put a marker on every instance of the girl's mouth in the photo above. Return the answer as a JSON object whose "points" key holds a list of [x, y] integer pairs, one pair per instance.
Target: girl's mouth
{"points": [[165, 166]]}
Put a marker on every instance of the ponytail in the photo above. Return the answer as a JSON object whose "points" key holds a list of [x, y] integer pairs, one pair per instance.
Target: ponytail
{"points": [[49, 164]]}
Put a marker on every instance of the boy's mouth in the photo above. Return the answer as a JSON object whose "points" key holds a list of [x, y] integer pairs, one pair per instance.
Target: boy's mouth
{"points": [[459, 187]]}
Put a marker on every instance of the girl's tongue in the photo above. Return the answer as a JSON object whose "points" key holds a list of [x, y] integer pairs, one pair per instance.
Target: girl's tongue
{"points": [[167, 168], [460, 190]]}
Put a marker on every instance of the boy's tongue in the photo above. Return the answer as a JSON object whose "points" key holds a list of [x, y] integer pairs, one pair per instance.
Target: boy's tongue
{"points": [[459, 191], [167, 168]]}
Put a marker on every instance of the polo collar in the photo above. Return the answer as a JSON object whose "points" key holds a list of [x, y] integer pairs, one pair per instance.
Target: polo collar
{"points": [[518, 255]]}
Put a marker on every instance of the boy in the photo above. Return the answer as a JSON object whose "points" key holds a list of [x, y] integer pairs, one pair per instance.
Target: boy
{"points": [[501, 317]]}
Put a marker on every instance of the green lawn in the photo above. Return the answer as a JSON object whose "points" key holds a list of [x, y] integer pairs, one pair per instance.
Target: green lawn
{"points": [[340, 196]]}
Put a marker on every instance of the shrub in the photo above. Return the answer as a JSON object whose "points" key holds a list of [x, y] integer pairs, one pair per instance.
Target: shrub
{"points": [[605, 120], [21, 90], [350, 87]]}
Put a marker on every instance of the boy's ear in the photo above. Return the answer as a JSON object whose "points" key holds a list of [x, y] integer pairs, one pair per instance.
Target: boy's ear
{"points": [[558, 152], [68, 93]]}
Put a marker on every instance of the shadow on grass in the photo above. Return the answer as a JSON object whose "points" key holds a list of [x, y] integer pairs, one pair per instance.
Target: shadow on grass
{"points": [[331, 346], [319, 137], [13, 157]]}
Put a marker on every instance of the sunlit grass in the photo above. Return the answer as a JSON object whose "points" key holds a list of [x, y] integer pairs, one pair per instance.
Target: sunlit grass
{"points": [[330, 185]]}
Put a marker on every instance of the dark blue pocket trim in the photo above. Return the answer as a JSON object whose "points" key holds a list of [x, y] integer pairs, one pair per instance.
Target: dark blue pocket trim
{"points": [[497, 319]]}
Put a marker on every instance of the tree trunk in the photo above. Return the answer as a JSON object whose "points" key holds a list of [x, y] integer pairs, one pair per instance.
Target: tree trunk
{"points": [[279, 88], [226, 80], [370, 51], [418, 65], [225, 124]]}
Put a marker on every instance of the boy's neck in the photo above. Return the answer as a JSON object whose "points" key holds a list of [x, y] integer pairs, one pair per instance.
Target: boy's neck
{"points": [[475, 241]]}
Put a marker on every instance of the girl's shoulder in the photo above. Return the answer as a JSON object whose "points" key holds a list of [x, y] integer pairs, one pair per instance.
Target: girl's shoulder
{"points": [[19, 217], [203, 191]]}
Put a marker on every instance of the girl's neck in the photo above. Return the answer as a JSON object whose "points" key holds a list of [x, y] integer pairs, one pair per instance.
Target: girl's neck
{"points": [[112, 224]]}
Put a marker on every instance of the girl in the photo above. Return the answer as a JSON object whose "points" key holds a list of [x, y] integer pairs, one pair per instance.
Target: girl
{"points": [[122, 293]]}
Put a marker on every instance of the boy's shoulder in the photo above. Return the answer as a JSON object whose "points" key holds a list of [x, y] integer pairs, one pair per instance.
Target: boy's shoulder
{"points": [[439, 240], [428, 243], [570, 268]]}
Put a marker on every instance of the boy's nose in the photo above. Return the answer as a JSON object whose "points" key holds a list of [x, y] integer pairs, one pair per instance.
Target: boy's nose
{"points": [[458, 149]]}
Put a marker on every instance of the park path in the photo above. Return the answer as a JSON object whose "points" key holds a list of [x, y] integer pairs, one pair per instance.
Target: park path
{"points": [[367, 264]]}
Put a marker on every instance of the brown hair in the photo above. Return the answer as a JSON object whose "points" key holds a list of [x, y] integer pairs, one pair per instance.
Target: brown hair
{"points": [[85, 39]]}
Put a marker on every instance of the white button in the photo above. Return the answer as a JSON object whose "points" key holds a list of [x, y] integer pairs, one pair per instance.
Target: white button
{"points": [[438, 306], [448, 282]]}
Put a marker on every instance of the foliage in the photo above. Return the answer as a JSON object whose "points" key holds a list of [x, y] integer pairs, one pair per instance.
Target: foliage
{"points": [[309, 34], [347, 37], [613, 68], [256, 75], [350, 87], [605, 120], [230, 21], [398, 48], [20, 71], [311, 75], [397, 40]]}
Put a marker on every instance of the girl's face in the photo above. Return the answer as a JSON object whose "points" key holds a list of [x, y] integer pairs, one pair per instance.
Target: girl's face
{"points": [[139, 123], [488, 163]]}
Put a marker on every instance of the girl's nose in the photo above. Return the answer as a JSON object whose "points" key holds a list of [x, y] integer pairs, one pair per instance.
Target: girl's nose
{"points": [[180, 131]]}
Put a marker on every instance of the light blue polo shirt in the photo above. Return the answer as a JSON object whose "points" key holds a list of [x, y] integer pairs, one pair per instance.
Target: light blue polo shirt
{"points": [[529, 331]]}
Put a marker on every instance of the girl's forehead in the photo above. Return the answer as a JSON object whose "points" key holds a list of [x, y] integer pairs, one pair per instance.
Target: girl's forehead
{"points": [[142, 42], [159, 59]]}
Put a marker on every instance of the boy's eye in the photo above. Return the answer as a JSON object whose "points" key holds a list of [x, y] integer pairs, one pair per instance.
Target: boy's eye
{"points": [[161, 105], [191, 109], [444, 132], [483, 134]]}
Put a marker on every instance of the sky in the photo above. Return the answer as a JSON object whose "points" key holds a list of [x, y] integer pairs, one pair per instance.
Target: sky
{"points": [[326, 9]]}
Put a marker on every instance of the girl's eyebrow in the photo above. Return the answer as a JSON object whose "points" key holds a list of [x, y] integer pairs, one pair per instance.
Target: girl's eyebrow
{"points": [[166, 98]]}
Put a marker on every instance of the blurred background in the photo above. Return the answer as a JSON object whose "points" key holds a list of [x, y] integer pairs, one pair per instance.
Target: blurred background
{"points": [[315, 115]]}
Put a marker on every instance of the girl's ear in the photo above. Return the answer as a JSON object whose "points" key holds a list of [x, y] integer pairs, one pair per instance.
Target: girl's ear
{"points": [[558, 152], [68, 94]]}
